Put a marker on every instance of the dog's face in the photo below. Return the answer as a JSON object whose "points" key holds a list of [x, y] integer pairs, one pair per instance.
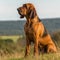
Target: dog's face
{"points": [[22, 11], [27, 10]]}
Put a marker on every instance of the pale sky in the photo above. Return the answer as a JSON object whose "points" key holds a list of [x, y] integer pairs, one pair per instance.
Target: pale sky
{"points": [[44, 8]]}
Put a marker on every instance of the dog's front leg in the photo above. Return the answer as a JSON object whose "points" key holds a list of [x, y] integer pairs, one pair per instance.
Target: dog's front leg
{"points": [[36, 46], [27, 47]]}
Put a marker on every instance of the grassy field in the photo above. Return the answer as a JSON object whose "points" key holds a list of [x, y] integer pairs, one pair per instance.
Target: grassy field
{"points": [[13, 48], [13, 37]]}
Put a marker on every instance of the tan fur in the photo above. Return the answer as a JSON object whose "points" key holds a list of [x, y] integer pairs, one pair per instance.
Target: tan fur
{"points": [[35, 30]]}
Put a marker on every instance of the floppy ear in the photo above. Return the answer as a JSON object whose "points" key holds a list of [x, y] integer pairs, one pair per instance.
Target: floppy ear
{"points": [[32, 13]]}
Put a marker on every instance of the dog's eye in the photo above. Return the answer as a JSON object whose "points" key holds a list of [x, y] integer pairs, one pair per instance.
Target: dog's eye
{"points": [[25, 6]]}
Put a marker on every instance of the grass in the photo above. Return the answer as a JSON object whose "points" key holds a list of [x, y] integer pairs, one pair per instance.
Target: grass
{"points": [[13, 48], [41, 57], [13, 37]]}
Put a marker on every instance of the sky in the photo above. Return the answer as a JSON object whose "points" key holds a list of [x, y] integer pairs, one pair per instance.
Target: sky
{"points": [[44, 8]]}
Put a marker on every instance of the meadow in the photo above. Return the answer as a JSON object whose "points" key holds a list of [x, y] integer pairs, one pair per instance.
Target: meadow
{"points": [[13, 48]]}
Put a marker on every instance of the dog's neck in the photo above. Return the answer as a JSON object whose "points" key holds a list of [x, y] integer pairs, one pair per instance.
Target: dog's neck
{"points": [[34, 20]]}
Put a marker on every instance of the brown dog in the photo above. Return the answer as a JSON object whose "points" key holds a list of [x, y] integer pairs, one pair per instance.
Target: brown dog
{"points": [[35, 31]]}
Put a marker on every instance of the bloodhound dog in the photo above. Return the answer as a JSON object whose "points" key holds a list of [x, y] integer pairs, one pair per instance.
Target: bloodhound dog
{"points": [[35, 31]]}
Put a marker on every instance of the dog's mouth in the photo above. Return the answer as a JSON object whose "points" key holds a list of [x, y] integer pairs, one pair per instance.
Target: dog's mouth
{"points": [[21, 16], [20, 13]]}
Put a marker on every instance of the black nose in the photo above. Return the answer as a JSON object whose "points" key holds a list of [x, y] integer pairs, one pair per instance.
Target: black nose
{"points": [[17, 9]]}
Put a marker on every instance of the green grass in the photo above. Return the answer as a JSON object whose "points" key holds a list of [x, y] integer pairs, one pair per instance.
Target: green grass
{"points": [[13, 37], [13, 48]]}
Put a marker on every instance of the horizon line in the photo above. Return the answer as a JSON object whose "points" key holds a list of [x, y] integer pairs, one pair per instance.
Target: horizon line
{"points": [[25, 19]]}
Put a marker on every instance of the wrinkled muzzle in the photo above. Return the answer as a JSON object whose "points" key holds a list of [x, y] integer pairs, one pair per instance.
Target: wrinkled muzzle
{"points": [[20, 12]]}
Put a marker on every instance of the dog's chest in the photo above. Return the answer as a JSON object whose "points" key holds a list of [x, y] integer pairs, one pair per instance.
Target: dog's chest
{"points": [[29, 31], [28, 27]]}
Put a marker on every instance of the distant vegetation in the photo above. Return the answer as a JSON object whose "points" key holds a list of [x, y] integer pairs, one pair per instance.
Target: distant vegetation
{"points": [[11, 27], [56, 38]]}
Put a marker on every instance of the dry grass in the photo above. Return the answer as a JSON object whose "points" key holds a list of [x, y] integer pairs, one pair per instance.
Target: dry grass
{"points": [[13, 48]]}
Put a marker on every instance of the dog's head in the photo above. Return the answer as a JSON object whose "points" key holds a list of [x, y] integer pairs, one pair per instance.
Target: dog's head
{"points": [[27, 10]]}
